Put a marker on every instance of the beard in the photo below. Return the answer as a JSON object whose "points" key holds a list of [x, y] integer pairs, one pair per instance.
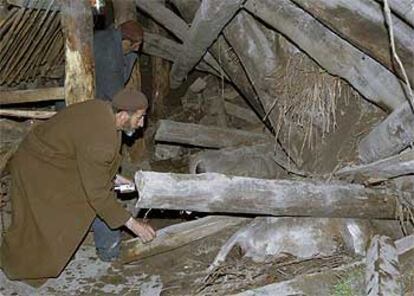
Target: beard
{"points": [[128, 129]]}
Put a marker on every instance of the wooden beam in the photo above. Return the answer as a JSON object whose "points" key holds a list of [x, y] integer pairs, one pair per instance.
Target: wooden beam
{"points": [[394, 166], [390, 137], [27, 113], [205, 136], [35, 4], [208, 22], [362, 23], [242, 113], [77, 25], [31, 95], [176, 236], [219, 193], [403, 8], [371, 79]]}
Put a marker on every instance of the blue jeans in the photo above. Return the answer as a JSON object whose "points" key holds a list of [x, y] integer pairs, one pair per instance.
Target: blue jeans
{"points": [[107, 241]]}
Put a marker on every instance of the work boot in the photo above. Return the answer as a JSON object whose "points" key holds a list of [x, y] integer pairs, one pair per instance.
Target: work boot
{"points": [[107, 241]]}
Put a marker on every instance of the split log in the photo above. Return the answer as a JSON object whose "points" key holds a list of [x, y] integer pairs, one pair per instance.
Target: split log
{"points": [[382, 274], [77, 25], [31, 95], [27, 113], [327, 282], [174, 24], [176, 236], [362, 23], [394, 166], [205, 136], [403, 8], [208, 22], [212, 192], [390, 137], [371, 79], [258, 161]]}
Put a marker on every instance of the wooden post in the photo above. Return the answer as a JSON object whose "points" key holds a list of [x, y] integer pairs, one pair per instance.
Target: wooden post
{"points": [[219, 193], [77, 24]]}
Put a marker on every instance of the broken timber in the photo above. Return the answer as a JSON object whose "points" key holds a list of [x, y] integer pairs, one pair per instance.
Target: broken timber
{"points": [[178, 235], [208, 22], [394, 166], [77, 25], [205, 136], [31, 95], [390, 137], [212, 192], [371, 79], [362, 23]]}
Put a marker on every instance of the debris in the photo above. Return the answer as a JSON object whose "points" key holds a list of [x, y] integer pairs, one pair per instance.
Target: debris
{"points": [[198, 85]]}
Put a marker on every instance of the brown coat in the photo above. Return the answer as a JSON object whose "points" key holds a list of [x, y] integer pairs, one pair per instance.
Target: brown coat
{"points": [[62, 178]]}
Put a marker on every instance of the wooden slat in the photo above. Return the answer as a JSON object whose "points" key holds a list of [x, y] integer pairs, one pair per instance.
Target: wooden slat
{"points": [[31, 95]]}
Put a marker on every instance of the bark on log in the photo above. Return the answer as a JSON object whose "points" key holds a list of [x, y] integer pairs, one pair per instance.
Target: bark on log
{"points": [[390, 137], [176, 236], [362, 22], [403, 8], [219, 193], [326, 282], [394, 166], [175, 25], [77, 25], [31, 95], [205, 136], [371, 79], [208, 22], [27, 113]]}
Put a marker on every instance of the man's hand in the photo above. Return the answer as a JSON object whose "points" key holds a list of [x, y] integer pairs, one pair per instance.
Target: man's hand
{"points": [[143, 230], [119, 180]]}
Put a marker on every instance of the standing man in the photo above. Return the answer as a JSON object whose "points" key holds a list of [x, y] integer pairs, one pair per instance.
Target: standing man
{"points": [[62, 178]]}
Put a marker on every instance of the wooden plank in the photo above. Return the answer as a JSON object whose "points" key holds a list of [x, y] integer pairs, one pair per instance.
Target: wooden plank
{"points": [[376, 83], [27, 113], [391, 167], [31, 95], [241, 113], [77, 25], [205, 136], [35, 4], [219, 193], [208, 22], [403, 8], [362, 23], [390, 137], [176, 236]]}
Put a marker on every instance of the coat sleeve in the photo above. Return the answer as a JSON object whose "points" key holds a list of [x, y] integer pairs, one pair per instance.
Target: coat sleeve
{"points": [[124, 10], [95, 167]]}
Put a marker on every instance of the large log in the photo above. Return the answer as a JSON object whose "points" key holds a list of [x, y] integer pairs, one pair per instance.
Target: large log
{"points": [[394, 166], [210, 19], [77, 25], [31, 95], [38, 114], [376, 83], [346, 278], [256, 47], [176, 236], [362, 23], [213, 192], [403, 8], [390, 137], [205, 136]]}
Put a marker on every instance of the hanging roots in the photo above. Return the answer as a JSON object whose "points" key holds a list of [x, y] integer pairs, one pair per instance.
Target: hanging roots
{"points": [[307, 97], [405, 210]]}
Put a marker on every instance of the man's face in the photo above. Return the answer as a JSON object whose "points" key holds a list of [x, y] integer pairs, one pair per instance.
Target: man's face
{"points": [[136, 120]]}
